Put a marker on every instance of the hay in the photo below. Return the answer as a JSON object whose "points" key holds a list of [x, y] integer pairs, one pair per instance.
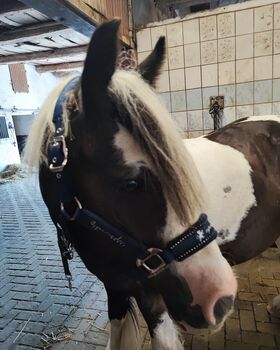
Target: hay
{"points": [[13, 172]]}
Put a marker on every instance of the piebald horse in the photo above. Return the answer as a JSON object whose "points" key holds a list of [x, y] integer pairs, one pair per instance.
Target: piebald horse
{"points": [[117, 178]]}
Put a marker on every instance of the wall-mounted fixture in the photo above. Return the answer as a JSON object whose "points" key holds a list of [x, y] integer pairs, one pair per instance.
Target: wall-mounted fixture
{"points": [[216, 107]]}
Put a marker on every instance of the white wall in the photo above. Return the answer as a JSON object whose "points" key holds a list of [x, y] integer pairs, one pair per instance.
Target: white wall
{"points": [[40, 86], [232, 51]]}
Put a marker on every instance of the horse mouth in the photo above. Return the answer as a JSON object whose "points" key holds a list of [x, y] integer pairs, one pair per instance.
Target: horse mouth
{"points": [[185, 327]]}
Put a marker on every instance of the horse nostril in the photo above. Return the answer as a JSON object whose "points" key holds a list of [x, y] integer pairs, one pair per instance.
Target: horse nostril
{"points": [[222, 307]]}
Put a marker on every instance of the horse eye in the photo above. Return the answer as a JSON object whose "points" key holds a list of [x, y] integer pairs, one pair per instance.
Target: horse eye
{"points": [[131, 185]]}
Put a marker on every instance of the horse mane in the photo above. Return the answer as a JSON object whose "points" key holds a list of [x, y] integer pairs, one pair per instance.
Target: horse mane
{"points": [[35, 148], [151, 126], [155, 131]]}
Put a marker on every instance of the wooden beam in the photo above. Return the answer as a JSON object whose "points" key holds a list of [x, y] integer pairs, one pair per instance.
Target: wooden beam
{"points": [[42, 68], [27, 57], [64, 13], [15, 36]]}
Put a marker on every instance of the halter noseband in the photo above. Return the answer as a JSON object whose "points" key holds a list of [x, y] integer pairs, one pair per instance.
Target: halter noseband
{"points": [[146, 262]]}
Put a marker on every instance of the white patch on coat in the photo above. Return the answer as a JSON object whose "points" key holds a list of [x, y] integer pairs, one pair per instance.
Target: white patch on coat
{"points": [[262, 118], [166, 335], [131, 151], [227, 177]]}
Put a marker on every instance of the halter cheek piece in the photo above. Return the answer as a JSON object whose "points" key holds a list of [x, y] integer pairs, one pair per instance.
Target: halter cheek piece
{"points": [[147, 262]]}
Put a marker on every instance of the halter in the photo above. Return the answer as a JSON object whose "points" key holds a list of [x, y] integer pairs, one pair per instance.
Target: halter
{"points": [[146, 262]]}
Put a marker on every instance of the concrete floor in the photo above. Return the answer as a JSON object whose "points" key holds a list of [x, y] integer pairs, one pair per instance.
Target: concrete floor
{"points": [[38, 311]]}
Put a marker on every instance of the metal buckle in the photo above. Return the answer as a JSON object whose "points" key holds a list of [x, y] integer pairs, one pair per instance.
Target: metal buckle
{"points": [[154, 252], [73, 217], [60, 139]]}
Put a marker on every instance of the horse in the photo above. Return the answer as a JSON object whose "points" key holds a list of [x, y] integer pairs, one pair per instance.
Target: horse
{"points": [[159, 220]]}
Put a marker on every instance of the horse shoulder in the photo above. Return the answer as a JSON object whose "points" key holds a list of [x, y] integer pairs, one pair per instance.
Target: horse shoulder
{"points": [[226, 175]]}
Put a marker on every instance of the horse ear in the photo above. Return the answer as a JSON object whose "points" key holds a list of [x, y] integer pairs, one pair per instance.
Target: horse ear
{"points": [[150, 67], [100, 64]]}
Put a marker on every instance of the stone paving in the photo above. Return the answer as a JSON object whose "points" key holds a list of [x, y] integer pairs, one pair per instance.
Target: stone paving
{"points": [[38, 311]]}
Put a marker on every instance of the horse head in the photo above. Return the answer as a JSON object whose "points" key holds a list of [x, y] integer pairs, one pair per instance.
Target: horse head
{"points": [[127, 163]]}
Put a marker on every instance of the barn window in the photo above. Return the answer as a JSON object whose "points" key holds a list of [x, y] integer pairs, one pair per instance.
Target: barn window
{"points": [[18, 78], [3, 128]]}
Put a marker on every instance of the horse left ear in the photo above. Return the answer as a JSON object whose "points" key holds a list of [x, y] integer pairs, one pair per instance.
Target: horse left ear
{"points": [[150, 67]]}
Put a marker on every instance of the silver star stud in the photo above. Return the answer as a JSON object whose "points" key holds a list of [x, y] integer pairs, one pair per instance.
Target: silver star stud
{"points": [[200, 235]]}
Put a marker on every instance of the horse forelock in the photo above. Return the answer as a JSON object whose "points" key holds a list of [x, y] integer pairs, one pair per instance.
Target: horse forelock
{"points": [[153, 129], [35, 150]]}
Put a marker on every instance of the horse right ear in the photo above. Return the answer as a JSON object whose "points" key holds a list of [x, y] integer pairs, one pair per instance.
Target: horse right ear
{"points": [[99, 65], [150, 67]]}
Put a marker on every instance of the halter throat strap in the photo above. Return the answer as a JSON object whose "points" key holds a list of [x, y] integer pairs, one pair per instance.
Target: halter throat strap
{"points": [[143, 262]]}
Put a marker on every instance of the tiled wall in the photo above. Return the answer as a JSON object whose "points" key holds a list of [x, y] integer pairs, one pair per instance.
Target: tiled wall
{"points": [[232, 51]]}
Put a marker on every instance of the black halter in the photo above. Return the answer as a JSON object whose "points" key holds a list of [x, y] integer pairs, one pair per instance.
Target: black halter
{"points": [[147, 262]]}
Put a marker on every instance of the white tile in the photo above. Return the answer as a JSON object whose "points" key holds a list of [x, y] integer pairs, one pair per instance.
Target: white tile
{"points": [[193, 77], [177, 79], [166, 99], [276, 16], [244, 22], [156, 33], [226, 25], [144, 42], [263, 68], [195, 120], [263, 43], [276, 66], [276, 108], [226, 73], [191, 31], [208, 123], [263, 18], [209, 52], [277, 41], [244, 46], [244, 70], [178, 101], [229, 115], [163, 82], [142, 56], [228, 91], [176, 57], [194, 134], [244, 111], [208, 28], [226, 49], [192, 55], [210, 75], [175, 34], [263, 109], [181, 120]]}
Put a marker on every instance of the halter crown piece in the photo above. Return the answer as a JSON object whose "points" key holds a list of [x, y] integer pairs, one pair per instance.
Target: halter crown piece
{"points": [[144, 262]]}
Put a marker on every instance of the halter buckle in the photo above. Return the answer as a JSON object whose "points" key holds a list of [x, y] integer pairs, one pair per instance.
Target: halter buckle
{"points": [[58, 142], [153, 258]]}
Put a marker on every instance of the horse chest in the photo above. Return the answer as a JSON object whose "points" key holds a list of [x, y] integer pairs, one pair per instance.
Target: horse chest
{"points": [[226, 175]]}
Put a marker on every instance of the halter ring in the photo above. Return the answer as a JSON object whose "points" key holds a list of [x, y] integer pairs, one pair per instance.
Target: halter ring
{"points": [[153, 258], [73, 217]]}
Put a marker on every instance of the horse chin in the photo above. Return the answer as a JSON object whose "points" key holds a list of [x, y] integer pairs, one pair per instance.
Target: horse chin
{"points": [[200, 331]]}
